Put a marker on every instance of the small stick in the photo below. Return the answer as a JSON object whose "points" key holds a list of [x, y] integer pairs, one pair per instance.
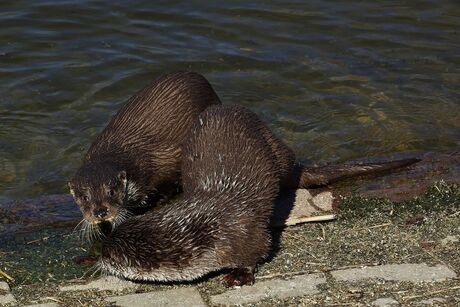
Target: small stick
{"points": [[8, 277], [290, 274], [38, 240], [53, 299], [430, 293], [301, 220]]}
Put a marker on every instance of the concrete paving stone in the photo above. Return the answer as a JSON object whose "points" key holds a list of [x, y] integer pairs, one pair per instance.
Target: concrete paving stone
{"points": [[7, 299], [449, 240], [189, 297], [431, 301], [279, 288], [385, 302], [106, 283], [397, 272], [44, 305], [4, 286]]}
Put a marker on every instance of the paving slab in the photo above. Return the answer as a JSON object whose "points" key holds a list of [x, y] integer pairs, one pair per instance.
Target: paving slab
{"points": [[44, 305], [4, 286], [385, 302], [189, 297], [431, 301], [275, 288], [106, 283], [7, 299], [412, 272]]}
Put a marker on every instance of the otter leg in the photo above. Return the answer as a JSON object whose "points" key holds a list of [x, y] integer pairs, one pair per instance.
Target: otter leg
{"points": [[239, 277]]}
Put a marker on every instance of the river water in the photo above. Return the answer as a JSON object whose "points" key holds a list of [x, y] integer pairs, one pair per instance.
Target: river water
{"points": [[336, 80]]}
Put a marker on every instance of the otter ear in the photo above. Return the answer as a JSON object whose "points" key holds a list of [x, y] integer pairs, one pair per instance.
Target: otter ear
{"points": [[122, 176]]}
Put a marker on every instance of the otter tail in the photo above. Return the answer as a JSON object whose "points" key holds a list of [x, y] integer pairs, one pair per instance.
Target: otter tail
{"points": [[322, 175]]}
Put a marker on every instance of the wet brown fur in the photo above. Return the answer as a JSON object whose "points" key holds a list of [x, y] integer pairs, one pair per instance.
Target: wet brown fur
{"points": [[142, 144], [231, 177]]}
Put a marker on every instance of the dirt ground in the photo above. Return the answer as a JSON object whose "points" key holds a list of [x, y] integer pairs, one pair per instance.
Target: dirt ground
{"points": [[371, 232]]}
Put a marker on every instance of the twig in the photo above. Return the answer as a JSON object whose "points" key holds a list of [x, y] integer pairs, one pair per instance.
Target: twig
{"points": [[8, 277], [301, 220], [430, 293], [290, 274], [38, 240], [53, 299]]}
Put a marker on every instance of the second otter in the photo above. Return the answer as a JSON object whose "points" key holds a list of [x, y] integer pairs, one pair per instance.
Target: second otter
{"points": [[138, 154]]}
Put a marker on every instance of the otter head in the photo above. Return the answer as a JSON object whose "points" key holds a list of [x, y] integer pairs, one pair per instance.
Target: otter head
{"points": [[100, 190]]}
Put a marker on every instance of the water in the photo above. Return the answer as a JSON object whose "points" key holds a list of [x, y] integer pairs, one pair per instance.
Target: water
{"points": [[336, 80]]}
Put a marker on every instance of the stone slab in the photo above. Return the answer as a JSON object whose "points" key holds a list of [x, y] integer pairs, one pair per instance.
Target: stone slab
{"points": [[44, 305], [4, 286], [275, 288], [385, 302], [110, 283], [189, 297], [431, 301], [7, 299], [413, 272]]}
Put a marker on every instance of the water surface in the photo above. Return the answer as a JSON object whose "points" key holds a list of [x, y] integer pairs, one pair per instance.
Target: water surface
{"points": [[336, 80]]}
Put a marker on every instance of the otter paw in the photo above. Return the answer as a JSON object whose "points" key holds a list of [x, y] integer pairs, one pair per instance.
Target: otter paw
{"points": [[239, 277]]}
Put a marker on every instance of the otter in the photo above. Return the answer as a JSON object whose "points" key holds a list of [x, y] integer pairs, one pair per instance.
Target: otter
{"points": [[135, 160], [231, 175], [233, 168]]}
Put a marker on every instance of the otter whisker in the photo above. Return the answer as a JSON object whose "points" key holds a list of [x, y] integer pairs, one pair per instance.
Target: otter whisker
{"points": [[78, 225], [122, 216], [97, 269], [90, 232], [84, 231], [96, 232], [94, 267]]}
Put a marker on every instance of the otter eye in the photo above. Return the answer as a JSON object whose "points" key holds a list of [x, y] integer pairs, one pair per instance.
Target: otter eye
{"points": [[85, 198], [111, 192]]}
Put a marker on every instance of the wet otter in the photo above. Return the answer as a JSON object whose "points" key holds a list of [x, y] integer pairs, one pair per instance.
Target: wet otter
{"points": [[233, 168], [231, 177], [137, 156]]}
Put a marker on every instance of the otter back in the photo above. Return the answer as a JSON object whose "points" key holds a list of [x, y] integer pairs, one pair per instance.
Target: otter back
{"points": [[149, 129]]}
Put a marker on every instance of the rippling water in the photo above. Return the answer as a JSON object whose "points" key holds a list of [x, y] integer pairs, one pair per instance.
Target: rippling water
{"points": [[335, 79]]}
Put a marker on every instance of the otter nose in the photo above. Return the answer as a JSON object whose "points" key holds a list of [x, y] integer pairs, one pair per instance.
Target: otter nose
{"points": [[100, 213]]}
